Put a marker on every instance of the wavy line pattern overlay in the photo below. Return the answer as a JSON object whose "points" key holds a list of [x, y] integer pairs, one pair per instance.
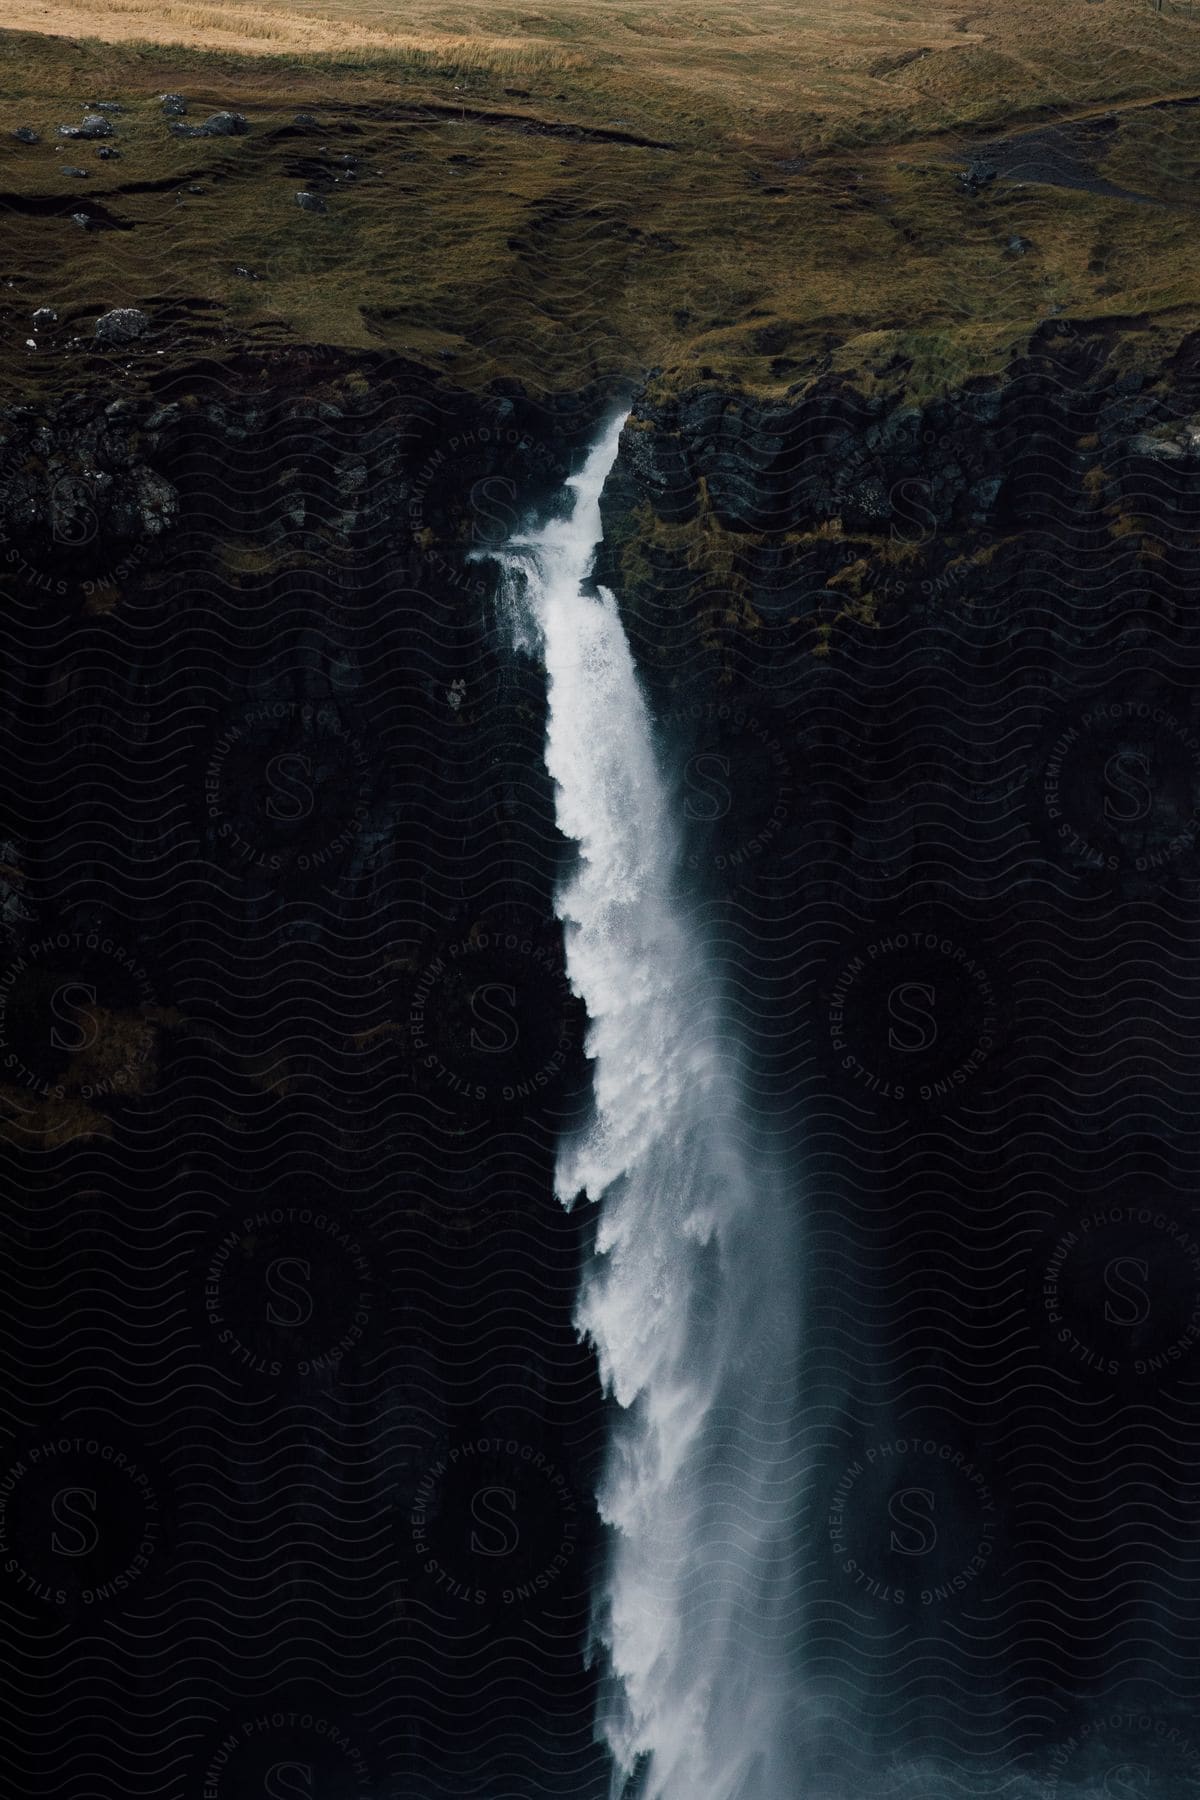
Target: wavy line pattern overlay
{"points": [[300, 1445]]}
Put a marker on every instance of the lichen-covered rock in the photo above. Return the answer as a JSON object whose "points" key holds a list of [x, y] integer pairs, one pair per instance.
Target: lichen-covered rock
{"points": [[122, 325]]}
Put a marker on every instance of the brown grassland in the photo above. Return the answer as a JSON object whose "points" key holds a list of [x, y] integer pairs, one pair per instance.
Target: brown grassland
{"points": [[593, 188]]}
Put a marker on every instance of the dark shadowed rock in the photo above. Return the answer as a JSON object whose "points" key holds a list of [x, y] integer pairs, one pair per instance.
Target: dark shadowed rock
{"points": [[122, 325], [106, 153], [978, 174], [307, 119], [220, 124], [43, 316], [25, 134], [173, 105], [71, 170], [227, 124], [311, 202]]}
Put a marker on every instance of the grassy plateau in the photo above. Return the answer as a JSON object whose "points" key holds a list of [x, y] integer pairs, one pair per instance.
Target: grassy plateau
{"points": [[750, 192]]}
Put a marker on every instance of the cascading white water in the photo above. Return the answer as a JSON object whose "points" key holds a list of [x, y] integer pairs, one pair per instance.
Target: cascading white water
{"points": [[689, 1297]]}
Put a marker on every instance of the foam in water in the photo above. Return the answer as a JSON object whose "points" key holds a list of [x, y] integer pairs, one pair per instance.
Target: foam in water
{"points": [[689, 1297]]}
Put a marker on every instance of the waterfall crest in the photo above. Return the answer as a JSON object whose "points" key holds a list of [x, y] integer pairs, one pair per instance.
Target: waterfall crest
{"points": [[690, 1295]]}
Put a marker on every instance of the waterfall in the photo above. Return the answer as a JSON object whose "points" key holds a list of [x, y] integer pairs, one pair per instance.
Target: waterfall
{"points": [[689, 1295]]}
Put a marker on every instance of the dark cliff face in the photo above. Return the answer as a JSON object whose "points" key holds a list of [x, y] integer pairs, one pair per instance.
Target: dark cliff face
{"points": [[927, 678], [287, 1043], [281, 861]]}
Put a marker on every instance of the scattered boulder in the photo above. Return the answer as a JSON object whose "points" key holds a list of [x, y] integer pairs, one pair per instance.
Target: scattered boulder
{"points": [[194, 187], [69, 169], [1017, 246], [25, 134], [220, 124], [106, 153], [95, 125], [83, 220], [245, 273], [311, 202], [104, 105], [122, 325], [1172, 442], [978, 174], [43, 316], [308, 120], [173, 105]]}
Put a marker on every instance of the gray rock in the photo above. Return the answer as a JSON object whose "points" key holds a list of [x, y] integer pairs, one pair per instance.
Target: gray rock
{"points": [[44, 315], [122, 325], [69, 169], [977, 174], [104, 106], [220, 124], [82, 219], [173, 105], [105, 153], [156, 502], [1174, 441], [307, 119], [227, 124], [95, 125], [25, 134], [311, 202]]}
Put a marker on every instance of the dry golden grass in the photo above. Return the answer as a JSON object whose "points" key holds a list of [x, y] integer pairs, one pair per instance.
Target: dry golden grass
{"points": [[274, 30], [837, 68]]}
